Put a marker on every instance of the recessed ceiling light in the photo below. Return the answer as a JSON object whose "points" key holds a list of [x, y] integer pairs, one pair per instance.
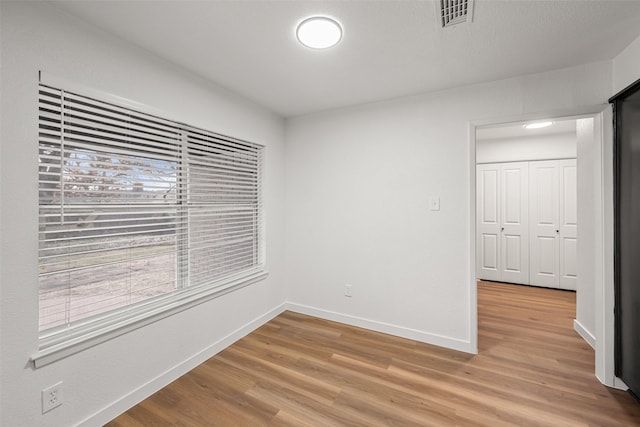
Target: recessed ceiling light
{"points": [[537, 125], [319, 32]]}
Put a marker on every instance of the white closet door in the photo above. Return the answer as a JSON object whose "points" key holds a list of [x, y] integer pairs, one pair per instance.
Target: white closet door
{"points": [[545, 228], [514, 216], [488, 221], [568, 223]]}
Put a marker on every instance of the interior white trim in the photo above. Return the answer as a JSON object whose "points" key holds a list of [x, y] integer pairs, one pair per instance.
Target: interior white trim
{"points": [[130, 399], [604, 284], [604, 310], [619, 384], [584, 333], [473, 284], [386, 328], [91, 334], [564, 114], [520, 161]]}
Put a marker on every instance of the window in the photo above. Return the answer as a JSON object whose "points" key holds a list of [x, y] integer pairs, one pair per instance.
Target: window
{"points": [[136, 214]]}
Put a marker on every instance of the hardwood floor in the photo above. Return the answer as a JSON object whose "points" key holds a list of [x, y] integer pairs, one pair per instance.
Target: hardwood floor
{"points": [[532, 369]]}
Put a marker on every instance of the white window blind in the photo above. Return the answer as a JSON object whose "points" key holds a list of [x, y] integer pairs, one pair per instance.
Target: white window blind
{"points": [[136, 209]]}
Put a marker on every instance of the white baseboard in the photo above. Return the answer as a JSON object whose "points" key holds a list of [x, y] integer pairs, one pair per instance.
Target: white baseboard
{"points": [[619, 384], [400, 331], [127, 401], [584, 333]]}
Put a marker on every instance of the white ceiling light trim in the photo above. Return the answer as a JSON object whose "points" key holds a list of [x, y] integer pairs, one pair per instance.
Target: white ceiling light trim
{"points": [[537, 125], [319, 32]]}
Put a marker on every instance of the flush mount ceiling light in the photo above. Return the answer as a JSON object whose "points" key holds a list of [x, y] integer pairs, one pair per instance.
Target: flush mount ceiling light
{"points": [[537, 125], [319, 32]]}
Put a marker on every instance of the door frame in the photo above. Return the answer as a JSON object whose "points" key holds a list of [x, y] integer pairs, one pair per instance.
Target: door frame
{"points": [[603, 238]]}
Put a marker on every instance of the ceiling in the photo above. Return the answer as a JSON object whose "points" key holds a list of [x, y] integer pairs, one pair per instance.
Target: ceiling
{"points": [[389, 48]]}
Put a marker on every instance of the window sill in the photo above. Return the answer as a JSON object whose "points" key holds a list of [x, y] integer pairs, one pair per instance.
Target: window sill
{"points": [[83, 336]]}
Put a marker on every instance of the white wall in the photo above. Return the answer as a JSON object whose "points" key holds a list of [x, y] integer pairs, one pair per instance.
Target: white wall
{"points": [[37, 36], [589, 197], [626, 67], [358, 183], [540, 147]]}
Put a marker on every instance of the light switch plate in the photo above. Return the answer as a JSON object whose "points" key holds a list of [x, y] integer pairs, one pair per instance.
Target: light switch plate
{"points": [[434, 203]]}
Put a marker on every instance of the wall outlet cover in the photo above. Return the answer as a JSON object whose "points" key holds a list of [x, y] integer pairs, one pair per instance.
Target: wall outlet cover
{"points": [[52, 397]]}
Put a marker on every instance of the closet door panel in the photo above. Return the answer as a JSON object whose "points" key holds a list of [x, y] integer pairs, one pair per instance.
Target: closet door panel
{"points": [[567, 172], [544, 223], [489, 256], [513, 261], [547, 256], [488, 221], [568, 263], [527, 223], [514, 192]]}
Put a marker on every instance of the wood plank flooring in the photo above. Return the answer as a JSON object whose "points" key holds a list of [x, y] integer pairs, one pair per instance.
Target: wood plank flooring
{"points": [[532, 370]]}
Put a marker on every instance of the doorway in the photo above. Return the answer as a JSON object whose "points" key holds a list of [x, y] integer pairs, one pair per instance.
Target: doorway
{"points": [[526, 203], [594, 211]]}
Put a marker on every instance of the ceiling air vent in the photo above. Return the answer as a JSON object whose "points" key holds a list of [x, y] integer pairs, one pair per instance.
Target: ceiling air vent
{"points": [[454, 12]]}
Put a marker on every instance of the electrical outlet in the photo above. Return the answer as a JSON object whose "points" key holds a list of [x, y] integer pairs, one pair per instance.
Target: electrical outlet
{"points": [[52, 397], [347, 290]]}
